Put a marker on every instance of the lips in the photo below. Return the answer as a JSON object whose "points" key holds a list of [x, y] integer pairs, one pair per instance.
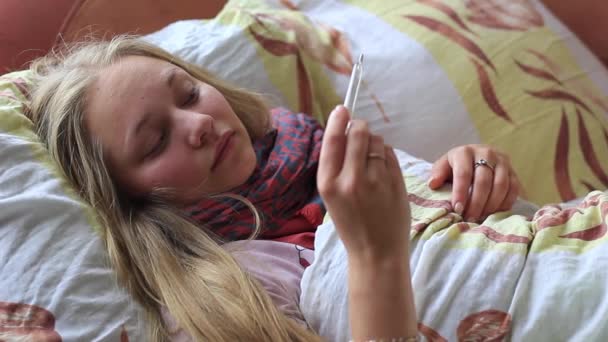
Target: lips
{"points": [[222, 148]]}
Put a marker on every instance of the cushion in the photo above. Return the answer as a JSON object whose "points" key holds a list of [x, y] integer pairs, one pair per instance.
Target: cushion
{"points": [[55, 280], [437, 74], [66, 20]]}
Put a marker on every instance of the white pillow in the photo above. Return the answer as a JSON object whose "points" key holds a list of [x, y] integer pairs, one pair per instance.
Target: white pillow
{"points": [[55, 280]]}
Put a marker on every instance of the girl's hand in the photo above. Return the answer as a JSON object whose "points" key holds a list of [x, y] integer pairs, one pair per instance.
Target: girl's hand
{"points": [[477, 191], [361, 184]]}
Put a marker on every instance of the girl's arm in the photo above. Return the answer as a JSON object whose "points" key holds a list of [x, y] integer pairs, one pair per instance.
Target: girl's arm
{"points": [[361, 184], [381, 298]]}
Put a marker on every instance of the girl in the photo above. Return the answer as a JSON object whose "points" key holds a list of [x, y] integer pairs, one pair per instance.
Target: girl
{"points": [[177, 162]]}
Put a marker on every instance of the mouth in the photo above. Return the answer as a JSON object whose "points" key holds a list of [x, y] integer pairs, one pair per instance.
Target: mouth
{"points": [[222, 148]]}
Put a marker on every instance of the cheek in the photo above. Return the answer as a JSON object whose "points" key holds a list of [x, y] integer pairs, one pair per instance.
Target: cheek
{"points": [[177, 170], [214, 102]]}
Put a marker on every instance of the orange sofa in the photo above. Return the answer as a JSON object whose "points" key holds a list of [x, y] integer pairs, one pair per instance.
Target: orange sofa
{"points": [[32, 27]]}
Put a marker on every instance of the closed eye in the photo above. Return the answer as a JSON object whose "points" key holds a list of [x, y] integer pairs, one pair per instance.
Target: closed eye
{"points": [[192, 96], [158, 146]]}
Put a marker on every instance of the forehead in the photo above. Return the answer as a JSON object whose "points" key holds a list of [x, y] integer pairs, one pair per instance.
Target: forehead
{"points": [[119, 95], [128, 75]]}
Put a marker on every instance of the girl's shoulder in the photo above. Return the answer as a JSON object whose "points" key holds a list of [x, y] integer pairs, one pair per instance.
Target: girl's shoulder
{"points": [[278, 266], [290, 256]]}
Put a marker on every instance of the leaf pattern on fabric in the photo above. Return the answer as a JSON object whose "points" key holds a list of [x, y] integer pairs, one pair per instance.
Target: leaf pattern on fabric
{"points": [[448, 11], [430, 334], [453, 35], [26, 322], [588, 186], [429, 203], [450, 218], [560, 95], [562, 174], [341, 62], [569, 84], [379, 105], [10, 95], [489, 95], [573, 93], [492, 234], [518, 15], [521, 15], [289, 5], [486, 87], [280, 49], [302, 39], [304, 87], [275, 47], [538, 72], [22, 85], [488, 325], [335, 56], [556, 217], [588, 151], [593, 233], [124, 336], [551, 216]]}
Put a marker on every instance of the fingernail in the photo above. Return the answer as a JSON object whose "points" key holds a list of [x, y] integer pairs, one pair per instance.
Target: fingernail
{"points": [[458, 208], [431, 181]]}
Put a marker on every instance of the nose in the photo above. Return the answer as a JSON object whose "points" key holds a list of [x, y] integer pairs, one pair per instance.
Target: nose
{"points": [[199, 129]]}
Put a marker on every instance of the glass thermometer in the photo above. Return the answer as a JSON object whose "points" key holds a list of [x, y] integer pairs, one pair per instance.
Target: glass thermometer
{"points": [[353, 86]]}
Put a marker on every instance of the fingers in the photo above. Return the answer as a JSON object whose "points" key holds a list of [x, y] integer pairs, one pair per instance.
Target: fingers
{"points": [[440, 173], [462, 166], [394, 171], [333, 147], [477, 191], [514, 190], [376, 158], [500, 188], [500, 193], [357, 147], [480, 193]]}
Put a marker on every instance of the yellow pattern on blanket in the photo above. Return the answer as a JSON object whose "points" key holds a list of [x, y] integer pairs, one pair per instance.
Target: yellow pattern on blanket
{"points": [[575, 229]]}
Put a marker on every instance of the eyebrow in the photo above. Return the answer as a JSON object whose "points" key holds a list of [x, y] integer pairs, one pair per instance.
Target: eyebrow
{"points": [[170, 76]]}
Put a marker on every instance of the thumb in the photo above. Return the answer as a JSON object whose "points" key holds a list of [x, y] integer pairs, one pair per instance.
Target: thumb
{"points": [[440, 173]]}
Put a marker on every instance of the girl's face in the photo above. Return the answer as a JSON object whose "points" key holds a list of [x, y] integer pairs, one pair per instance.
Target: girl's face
{"points": [[162, 128]]}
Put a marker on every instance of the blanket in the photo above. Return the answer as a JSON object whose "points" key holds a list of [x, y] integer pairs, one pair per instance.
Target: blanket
{"points": [[525, 275]]}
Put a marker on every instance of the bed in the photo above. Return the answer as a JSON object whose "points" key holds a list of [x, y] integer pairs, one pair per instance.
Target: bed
{"points": [[438, 73]]}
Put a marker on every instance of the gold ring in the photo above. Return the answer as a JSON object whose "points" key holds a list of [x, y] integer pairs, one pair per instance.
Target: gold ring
{"points": [[374, 155]]}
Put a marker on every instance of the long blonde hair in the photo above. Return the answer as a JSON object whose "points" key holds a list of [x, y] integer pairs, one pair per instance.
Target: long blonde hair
{"points": [[160, 256]]}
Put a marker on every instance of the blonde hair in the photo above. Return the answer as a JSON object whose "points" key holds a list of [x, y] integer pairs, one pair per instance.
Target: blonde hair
{"points": [[160, 256]]}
